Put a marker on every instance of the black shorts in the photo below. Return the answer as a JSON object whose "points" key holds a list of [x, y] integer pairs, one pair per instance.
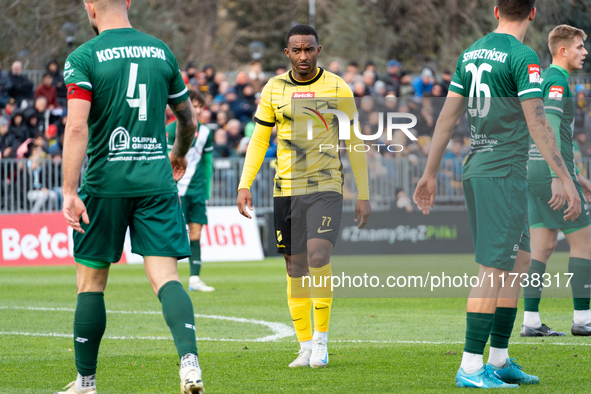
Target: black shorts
{"points": [[300, 218]]}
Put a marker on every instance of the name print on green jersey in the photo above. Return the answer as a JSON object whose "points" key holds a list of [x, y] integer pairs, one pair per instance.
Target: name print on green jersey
{"points": [[129, 52]]}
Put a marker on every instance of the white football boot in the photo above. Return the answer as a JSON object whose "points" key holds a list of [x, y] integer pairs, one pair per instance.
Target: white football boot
{"points": [[72, 390], [199, 285], [303, 359], [192, 383], [319, 356]]}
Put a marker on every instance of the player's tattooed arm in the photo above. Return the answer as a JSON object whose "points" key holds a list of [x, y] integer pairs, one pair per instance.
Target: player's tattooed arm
{"points": [[543, 135], [186, 126]]}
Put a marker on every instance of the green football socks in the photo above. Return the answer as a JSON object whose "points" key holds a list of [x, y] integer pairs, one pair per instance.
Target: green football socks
{"points": [[195, 261], [177, 309], [478, 327], [580, 282], [90, 320], [504, 319], [533, 294]]}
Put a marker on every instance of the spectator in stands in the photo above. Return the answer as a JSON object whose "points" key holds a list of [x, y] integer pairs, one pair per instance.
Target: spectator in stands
{"points": [[243, 146], [248, 95], [220, 144], [58, 81], [214, 85], [9, 108], [6, 140], [353, 67], [256, 75], [209, 72], [5, 86], [200, 83], [22, 87], [359, 89], [405, 89], [454, 157], [221, 119], [241, 109], [335, 67], [424, 82], [370, 66], [446, 78], [234, 133], [191, 70], [349, 78], [280, 69], [403, 201], [18, 129], [38, 171], [393, 74], [369, 79], [35, 127], [582, 140], [582, 109], [380, 89], [49, 91]]}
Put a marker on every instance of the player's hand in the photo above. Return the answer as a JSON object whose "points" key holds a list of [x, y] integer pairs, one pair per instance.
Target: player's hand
{"points": [[244, 198], [558, 199], [363, 211], [574, 201], [586, 185], [425, 193], [73, 209], [179, 166]]}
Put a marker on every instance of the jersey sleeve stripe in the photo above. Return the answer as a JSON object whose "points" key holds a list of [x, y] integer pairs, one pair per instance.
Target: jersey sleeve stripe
{"points": [[457, 85], [173, 96], [84, 84], [529, 91], [263, 123], [210, 149], [554, 109]]}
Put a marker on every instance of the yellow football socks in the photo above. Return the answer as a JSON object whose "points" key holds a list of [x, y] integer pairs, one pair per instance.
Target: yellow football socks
{"points": [[299, 302], [321, 296]]}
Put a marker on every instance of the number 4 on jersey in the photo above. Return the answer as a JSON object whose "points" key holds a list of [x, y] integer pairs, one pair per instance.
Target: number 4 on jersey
{"points": [[139, 102]]}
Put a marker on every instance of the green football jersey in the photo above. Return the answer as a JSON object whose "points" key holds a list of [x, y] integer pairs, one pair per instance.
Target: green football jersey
{"points": [[558, 100], [197, 178], [129, 77], [495, 74]]}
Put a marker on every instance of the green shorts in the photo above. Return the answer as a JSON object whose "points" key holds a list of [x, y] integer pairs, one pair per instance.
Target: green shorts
{"points": [[194, 208], [497, 208], [541, 215], [156, 225]]}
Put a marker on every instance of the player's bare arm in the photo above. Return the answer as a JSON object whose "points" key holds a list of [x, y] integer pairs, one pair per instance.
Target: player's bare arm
{"points": [[185, 133], [454, 107], [543, 135], [558, 199], [75, 144]]}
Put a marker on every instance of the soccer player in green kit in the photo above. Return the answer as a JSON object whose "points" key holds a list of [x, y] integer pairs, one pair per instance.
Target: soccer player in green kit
{"points": [[498, 78], [194, 188], [119, 84], [546, 197]]}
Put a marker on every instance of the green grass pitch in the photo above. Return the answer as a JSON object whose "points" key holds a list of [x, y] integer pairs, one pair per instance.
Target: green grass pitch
{"points": [[376, 345]]}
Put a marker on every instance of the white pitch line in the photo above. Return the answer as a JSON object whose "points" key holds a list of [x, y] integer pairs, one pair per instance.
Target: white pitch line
{"points": [[453, 342], [279, 330]]}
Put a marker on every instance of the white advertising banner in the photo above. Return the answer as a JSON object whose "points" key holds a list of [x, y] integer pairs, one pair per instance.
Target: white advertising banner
{"points": [[228, 237]]}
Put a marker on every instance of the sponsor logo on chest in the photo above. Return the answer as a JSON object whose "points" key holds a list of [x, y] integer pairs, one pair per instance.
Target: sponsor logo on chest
{"points": [[304, 95]]}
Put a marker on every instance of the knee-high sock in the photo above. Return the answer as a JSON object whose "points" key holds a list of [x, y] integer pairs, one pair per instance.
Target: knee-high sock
{"points": [[580, 282], [90, 320], [299, 302], [478, 327], [533, 294], [195, 260], [321, 296], [177, 309], [502, 327]]}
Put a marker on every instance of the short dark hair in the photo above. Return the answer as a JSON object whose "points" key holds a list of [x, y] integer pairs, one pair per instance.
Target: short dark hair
{"points": [[194, 95], [302, 30], [515, 10], [46, 74]]}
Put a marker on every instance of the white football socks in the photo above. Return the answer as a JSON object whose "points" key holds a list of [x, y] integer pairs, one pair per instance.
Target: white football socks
{"points": [[85, 382], [532, 319], [582, 317], [498, 357], [471, 362], [320, 335], [188, 362], [306, 344]]}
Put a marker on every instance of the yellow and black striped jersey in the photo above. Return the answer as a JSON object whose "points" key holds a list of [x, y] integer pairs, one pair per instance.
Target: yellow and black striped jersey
{"points": [[306, 163]]}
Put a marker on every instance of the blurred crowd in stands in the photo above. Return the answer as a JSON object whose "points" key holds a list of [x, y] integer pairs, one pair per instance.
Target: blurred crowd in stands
{"points": [[33, 118]]}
